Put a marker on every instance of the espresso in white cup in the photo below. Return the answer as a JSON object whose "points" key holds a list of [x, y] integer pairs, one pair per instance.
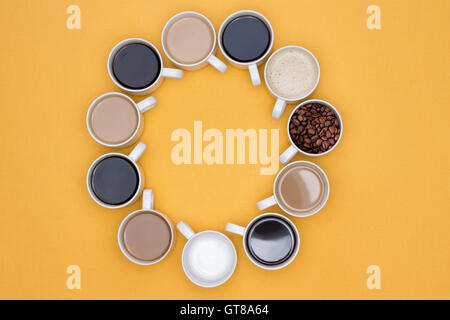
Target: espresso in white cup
{"points": [[246, 39], [136, 66], [116, 180], [271, 241]]}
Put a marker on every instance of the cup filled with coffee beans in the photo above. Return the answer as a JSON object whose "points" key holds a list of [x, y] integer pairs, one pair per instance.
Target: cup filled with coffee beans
{"points": [[314, 129]]}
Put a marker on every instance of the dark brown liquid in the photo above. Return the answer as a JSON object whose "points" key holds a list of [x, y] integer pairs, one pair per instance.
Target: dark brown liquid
{"points": [[115, 180], [246, 39], [136, 66], [271, 240]]}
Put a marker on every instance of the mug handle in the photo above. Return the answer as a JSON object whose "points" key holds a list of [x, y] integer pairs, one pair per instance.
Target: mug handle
{"points": [[185, 229], [278, 109], [146, 104], [147, 199], [266, 203], [288, 154], [254, 74], [234, 228], [137, 152], [216, 63], [172, 73]]}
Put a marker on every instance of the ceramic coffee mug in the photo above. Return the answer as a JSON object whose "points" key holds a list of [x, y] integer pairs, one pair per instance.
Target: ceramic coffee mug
{"points": [[281, 102], [115, 180], [193, 39], [209, 257], [160, 71], [271, 241], [300, 189], [252, 66], [290, 152], [123, 112], [146, 246]]}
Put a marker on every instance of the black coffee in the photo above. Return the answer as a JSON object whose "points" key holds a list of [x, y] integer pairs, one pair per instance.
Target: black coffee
{"points": [[114, 180], [271, 240], [246, 39], [136, 66]]}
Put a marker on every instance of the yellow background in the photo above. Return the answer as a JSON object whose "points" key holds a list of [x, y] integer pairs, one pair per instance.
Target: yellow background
{"points": [[389, 202]]}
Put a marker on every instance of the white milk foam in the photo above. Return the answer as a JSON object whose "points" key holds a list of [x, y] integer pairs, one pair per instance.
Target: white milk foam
{"points": [[292, 73], [210, 258]]}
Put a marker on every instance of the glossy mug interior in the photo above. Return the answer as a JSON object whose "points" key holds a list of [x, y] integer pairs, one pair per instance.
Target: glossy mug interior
{"points": [[271, 241], [114, 120], [246, 39], [116, 180], [146, 236], [136, 66], [189, 41], [291, 74], [301, 189], [209, 257]]}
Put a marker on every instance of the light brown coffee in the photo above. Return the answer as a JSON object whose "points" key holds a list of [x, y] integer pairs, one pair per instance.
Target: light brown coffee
{"points": [[147, 236], [189, 40], [114, 119], [301, 188]]}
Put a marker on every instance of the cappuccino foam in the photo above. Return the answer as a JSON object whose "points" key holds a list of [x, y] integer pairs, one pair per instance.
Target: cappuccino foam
{"points": [[292, 73]]}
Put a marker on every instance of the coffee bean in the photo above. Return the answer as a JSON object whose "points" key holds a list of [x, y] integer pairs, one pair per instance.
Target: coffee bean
{"points": [[314, 128]]}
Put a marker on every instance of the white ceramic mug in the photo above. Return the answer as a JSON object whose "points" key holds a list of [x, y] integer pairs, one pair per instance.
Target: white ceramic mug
{"points": [[203, 255], [163, 72], [209, 59], [133, 157], [147, 207], [244, 231], [252, 66], [140, 107], [273, 199], [281, 102], [292, 150]]}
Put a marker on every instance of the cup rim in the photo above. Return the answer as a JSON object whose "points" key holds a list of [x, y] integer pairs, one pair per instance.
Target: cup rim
{"points": [[297, 98], [284, 263], [123, 43], [91, 169], [327, 185], [215, 284], [243, 13], [122, 245], [91, 109], [336, 112], [174, 19]]}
